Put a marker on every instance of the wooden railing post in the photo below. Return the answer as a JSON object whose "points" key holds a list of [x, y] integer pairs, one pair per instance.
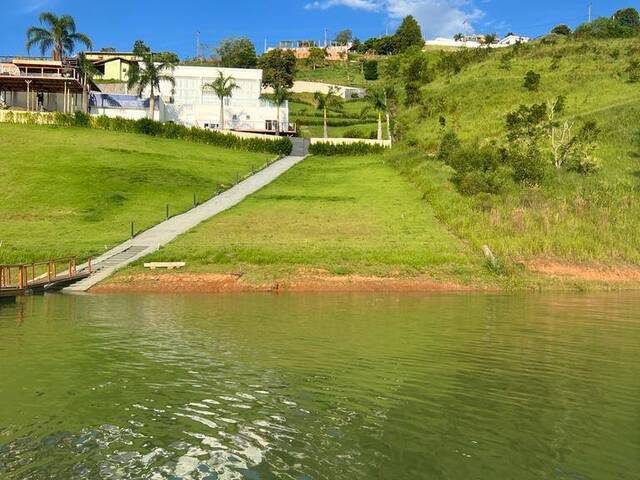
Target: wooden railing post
{"points": [[90, 267]]}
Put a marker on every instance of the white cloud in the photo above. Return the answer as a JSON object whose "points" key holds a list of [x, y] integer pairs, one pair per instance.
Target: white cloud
{"points": [[436, 17]]}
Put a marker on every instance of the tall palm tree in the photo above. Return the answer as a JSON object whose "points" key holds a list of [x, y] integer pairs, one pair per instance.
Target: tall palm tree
{"points": [[149, 76], [325, 101], [280, 95], [57, 34], [89, 70], [223, 87], [377, 99]]}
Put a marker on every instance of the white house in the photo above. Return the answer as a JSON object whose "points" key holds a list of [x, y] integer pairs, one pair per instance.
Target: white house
{"points": [[473, 41], [512, 39], [191, 103]]}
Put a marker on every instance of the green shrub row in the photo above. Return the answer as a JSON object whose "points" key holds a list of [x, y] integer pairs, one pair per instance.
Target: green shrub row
{"points": [[358, 148], [281, 146]]}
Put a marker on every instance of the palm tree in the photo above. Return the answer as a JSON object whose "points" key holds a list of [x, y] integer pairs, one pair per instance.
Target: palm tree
{"points": [[377, 99], [280, 95], [57, 33], [150, 76], [490, 39], [89, 70], [325, 101], [223, 87], [458, 37]]}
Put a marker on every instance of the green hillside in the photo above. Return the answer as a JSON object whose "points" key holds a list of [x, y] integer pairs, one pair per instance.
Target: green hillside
{"points": [[568, 215]]}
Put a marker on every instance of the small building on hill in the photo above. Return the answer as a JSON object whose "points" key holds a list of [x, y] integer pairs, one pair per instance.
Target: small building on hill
{"points": [[302, 49], [113, 66]]}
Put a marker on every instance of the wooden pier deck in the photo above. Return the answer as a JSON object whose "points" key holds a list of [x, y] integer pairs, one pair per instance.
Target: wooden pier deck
{"points": [[25, 279]]}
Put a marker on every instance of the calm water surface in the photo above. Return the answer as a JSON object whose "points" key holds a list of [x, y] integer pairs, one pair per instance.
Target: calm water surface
{"points": [[321, 387]]}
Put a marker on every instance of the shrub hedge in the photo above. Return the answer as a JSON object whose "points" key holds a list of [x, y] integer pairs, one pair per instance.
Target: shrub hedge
{"points": [[358, 148], [281, 146]]}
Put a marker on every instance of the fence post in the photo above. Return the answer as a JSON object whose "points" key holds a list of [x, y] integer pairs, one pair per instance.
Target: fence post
{"points": [[132, 225], [167, 213]]}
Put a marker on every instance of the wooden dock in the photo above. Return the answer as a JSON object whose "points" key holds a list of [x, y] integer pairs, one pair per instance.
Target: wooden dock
{"points": [[26, 279]]}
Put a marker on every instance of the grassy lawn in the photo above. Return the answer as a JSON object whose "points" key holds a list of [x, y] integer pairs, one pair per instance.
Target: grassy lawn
{"points": [[68, 191], [334, 72], [337, 215]]}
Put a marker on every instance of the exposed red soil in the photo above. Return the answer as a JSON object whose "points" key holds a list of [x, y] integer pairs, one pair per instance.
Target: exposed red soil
{"points": [[592, 272], [219, 283]]}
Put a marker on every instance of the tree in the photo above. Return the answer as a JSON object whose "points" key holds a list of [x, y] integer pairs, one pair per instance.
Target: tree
{"points": [[627, 17], [58, 34], [344, 37], [532, 81], [280, 95], [167, 57], [237, 53], [316, 57], [561, 30], [490, 38], [223, 87], [89, 70], [149, 76], [408, 34], [458, 37], [278, 68], [356, 45], [325, 101], [108, 49], [140, 48], [377, 100], [370, 69]]}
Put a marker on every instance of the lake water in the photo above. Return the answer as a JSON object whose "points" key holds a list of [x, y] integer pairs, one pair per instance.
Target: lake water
{"points": [[321, 387]]}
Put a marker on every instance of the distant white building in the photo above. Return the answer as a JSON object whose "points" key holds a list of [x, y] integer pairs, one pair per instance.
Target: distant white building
{"points": [[190, 103], [512, 39], [476, 41]]}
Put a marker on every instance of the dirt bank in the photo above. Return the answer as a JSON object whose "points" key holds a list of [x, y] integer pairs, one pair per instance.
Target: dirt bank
{"points": [[592, 272], [219, 283]]}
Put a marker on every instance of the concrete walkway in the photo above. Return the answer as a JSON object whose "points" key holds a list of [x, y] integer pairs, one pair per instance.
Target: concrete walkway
{"points": [[163, 233]]}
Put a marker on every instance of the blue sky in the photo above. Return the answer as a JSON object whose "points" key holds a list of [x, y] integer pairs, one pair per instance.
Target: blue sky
{"points": [[173, 24]]}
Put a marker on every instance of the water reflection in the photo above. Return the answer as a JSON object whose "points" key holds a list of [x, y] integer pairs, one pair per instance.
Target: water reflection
{"points": [[320, 386]]}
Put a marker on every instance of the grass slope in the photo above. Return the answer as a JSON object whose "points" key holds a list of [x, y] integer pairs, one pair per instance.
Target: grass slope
{"points": [[68, 191], [337, 215], [571, 217]]}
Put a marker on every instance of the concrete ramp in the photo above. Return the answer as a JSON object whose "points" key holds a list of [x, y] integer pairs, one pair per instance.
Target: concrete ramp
{"points": [[154, 238]]}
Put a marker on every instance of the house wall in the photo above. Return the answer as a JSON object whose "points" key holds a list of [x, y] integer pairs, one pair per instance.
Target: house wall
{"points": [[51, 102]]}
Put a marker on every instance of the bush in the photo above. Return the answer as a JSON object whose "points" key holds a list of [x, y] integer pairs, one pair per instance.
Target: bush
{"points": [[479, 169], [561, 30], [634, 71], [370, 68], [449, 146], [359, 148], [532, 81], [604, 27], [357, 133]]}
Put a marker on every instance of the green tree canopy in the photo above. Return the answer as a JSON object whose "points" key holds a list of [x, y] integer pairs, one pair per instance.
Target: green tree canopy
{"points": [[57, 34], [344, 37], [408, 34], [237, 53], [316, 57], [278, 68], [627, 17]]}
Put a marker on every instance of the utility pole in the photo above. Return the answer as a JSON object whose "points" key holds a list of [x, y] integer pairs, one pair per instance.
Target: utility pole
{"points": [[197, 45], [265, 45], [325, 38], [590, 8]]}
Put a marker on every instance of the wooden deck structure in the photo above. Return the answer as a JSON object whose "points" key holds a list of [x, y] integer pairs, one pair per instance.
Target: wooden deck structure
{"points": [[24, 279]]}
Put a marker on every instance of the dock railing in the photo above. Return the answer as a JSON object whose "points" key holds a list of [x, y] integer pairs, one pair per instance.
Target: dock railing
{"points": [[30, 275]]}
